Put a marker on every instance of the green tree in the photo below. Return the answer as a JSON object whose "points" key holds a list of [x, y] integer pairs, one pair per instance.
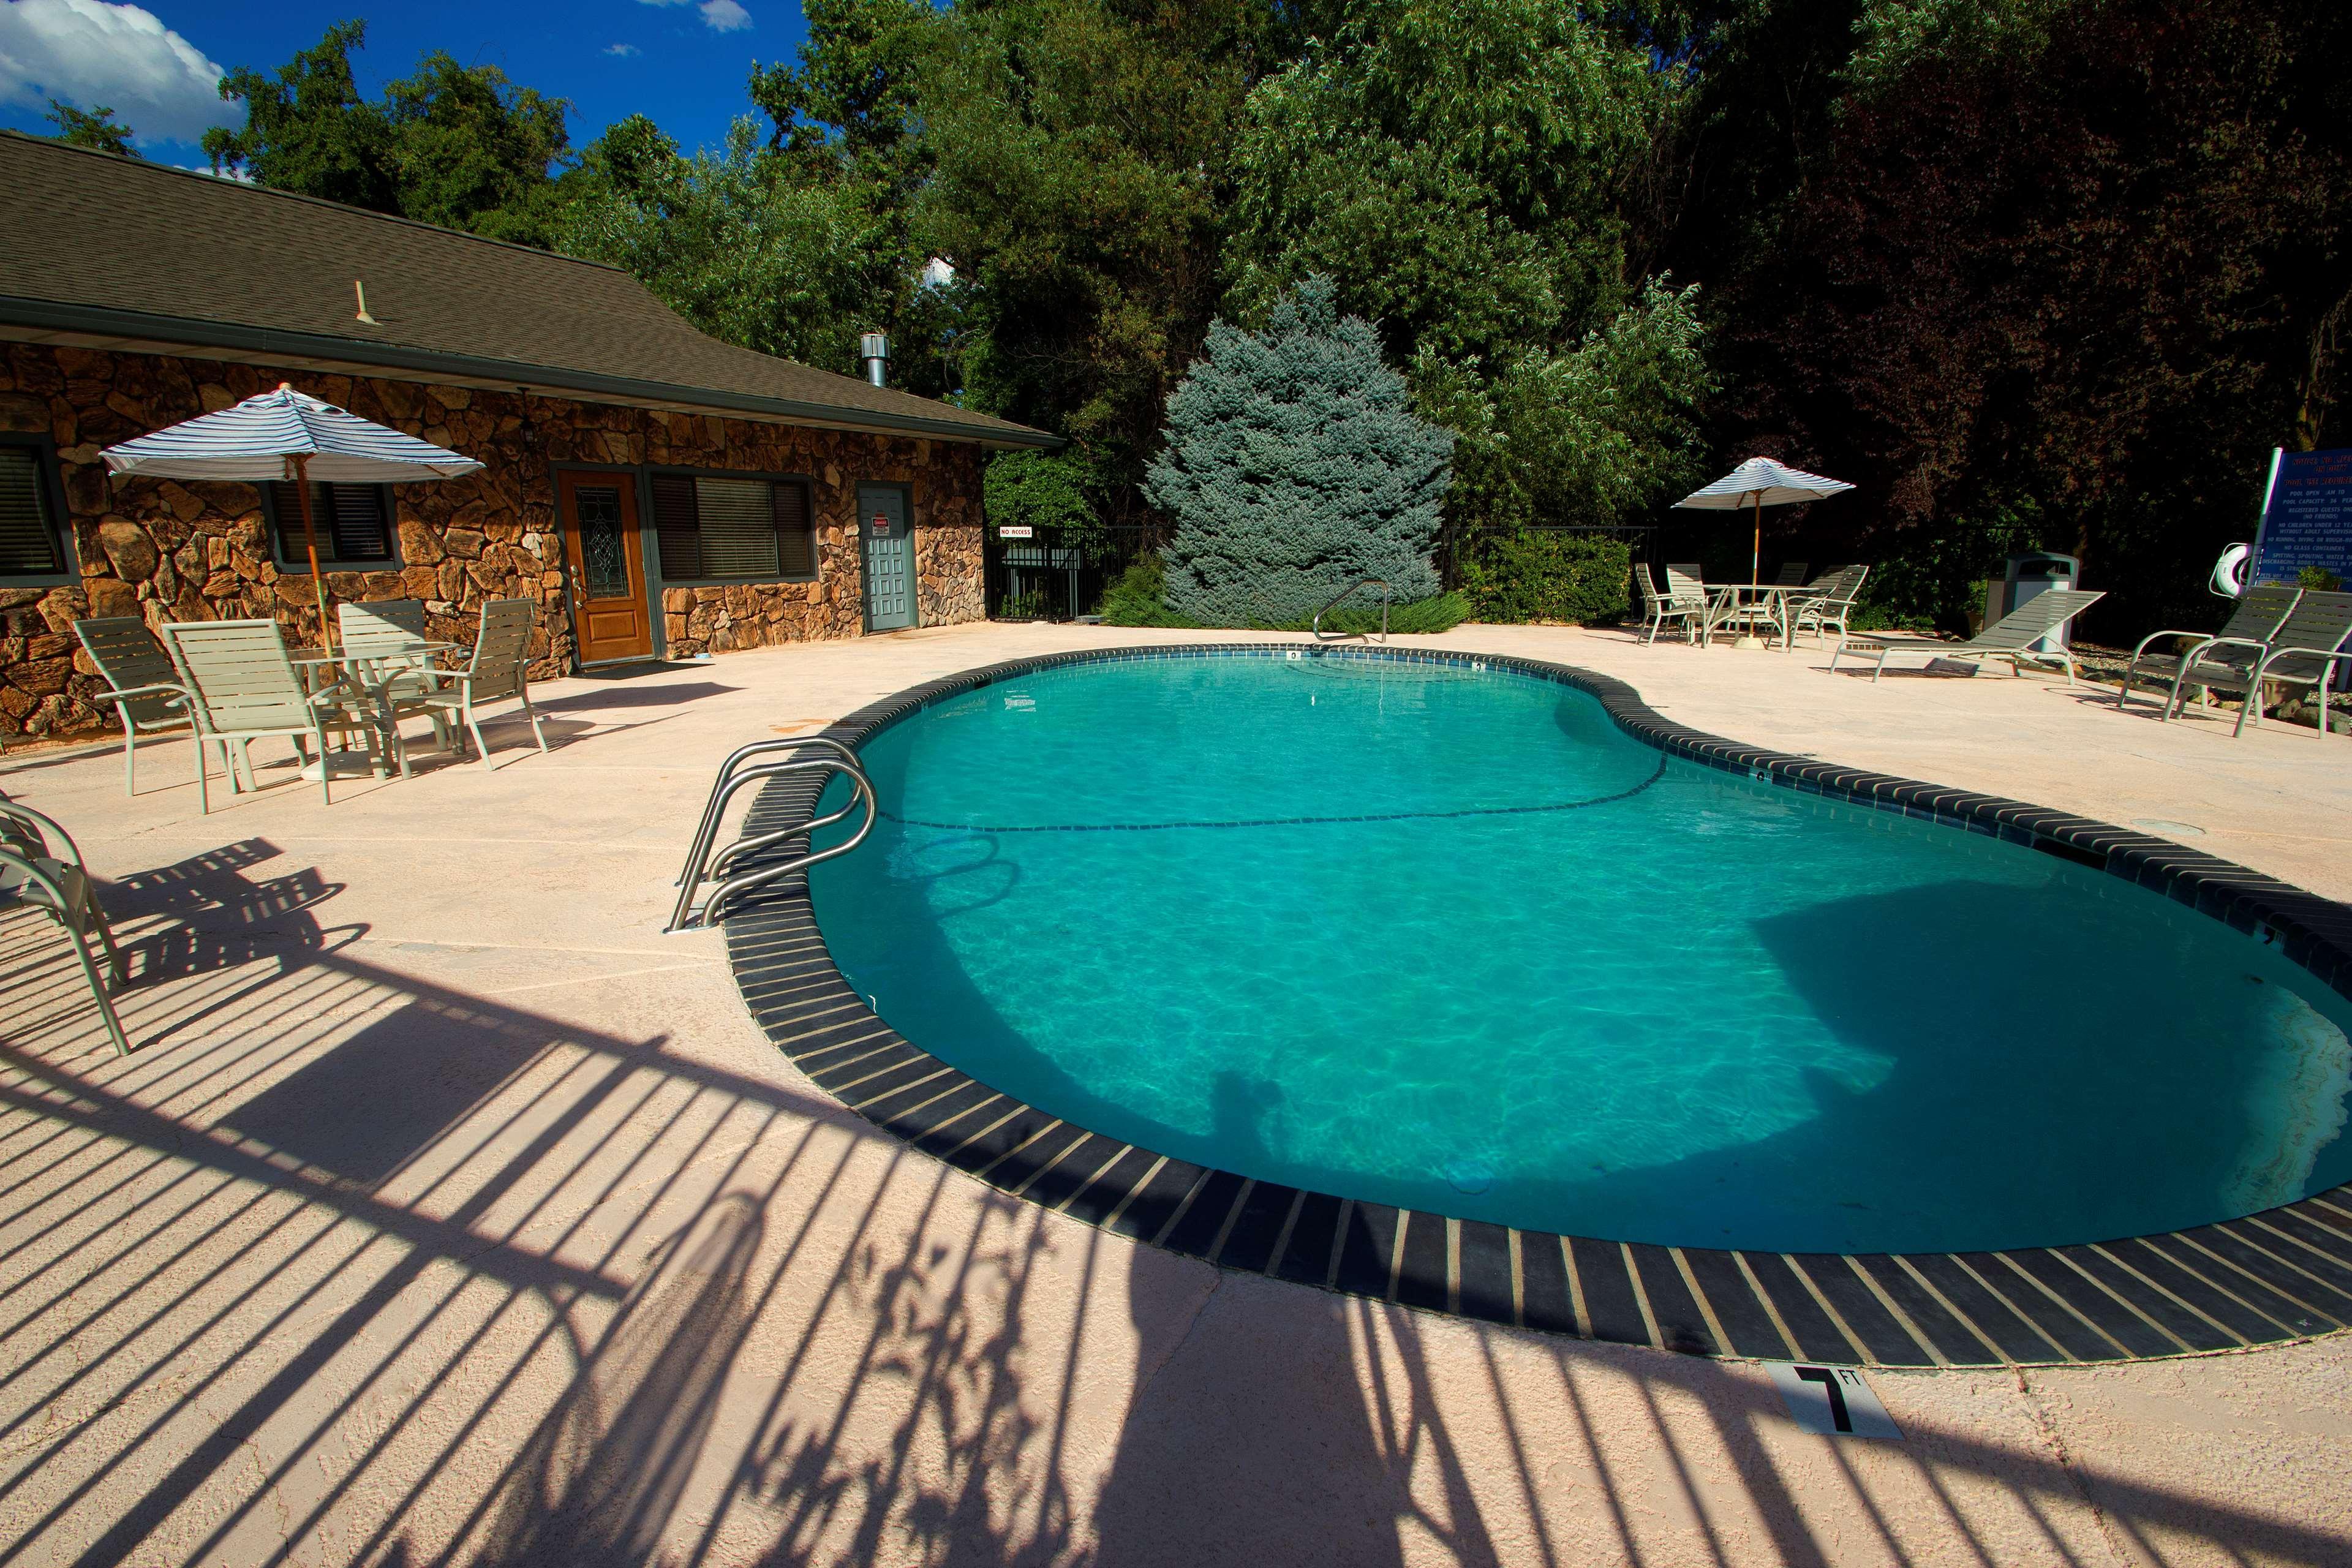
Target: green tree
{"points": [[1295, 466], [1079, 174], [731, 240], [452, 145], [1471, 173], [308, 129], [96, 129], [471, 150]]}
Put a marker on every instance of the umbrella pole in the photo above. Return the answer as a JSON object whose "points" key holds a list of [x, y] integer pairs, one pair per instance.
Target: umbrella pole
{"points": [[297, 469], [1754, 559]]}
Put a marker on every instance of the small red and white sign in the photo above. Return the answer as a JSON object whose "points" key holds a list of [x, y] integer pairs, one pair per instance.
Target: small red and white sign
{"points": [[1021, 531], [880, 526]]}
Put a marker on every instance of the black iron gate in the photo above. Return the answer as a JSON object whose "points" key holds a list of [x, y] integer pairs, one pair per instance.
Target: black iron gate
{"points": [[1056, 573]]}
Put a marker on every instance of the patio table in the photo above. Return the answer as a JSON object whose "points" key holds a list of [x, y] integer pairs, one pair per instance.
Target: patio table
{"points": [[1726, 597], [362, 672]]}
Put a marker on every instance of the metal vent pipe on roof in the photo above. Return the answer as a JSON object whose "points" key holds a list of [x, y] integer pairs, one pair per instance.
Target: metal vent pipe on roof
{"points": [[874, 352]]}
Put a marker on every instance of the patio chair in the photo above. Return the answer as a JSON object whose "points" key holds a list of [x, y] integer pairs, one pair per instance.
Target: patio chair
{"points": [[2253, 621], [1662, 608], [2314, 639], [141, 684], [41, 869], [389, 635], [244, 688], [1828, 601], [1792, 574], [498, 670], [2010, 637]]}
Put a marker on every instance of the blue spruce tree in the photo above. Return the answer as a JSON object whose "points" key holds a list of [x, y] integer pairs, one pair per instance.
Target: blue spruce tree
{"points": [[1294, 466]]}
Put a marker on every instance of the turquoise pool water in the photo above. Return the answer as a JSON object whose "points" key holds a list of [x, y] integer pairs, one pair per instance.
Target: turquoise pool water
{"points": [[1449, 938]]}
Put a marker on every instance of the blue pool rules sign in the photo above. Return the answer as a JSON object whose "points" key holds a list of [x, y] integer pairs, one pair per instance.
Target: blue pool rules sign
{"points": [[2306, 517]]}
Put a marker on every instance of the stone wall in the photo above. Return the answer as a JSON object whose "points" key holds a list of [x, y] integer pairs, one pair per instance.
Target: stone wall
{"points": [[168, 551]]}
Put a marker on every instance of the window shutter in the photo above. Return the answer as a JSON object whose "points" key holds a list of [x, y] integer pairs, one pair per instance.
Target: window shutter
{"points": [[357, 520], [738, 528], [27, 545], [678, 527], [795, 546]]}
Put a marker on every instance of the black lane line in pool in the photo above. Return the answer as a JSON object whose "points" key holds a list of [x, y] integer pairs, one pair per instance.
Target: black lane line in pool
{"points": [[1287, 821]]}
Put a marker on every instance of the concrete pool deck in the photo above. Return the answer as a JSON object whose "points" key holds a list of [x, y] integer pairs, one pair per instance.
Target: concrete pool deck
{"points": [[448, 1213]]}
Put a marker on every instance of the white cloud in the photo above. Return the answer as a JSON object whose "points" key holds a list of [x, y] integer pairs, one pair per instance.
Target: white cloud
{"points": [[718, 15], [90, 53], [623, 50]]}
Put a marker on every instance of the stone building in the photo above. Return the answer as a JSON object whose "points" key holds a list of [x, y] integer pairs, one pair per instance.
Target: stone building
{"points": [[658, 492]]}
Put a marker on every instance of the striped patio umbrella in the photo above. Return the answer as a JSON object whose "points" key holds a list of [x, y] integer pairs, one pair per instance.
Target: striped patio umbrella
{"points": [[1760, 482], [291, 436]]}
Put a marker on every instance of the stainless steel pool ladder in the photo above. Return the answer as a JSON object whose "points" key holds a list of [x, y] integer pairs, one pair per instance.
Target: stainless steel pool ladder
{"points": [[1378, 582], [703, 865]]}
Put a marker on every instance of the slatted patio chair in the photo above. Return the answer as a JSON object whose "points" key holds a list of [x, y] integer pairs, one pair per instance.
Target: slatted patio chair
{"points": [[41, 869], [2313, 647], [1832, 605], [498, 670], [1792, 574], [244, 688], [2253, 621], [388, 634], [1662, 609], [2011, 637], [141, 683], [1684, 591]]}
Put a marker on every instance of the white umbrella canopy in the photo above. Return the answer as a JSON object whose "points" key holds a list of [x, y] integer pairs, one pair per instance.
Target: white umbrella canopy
{"points": [[1760, 482], [289, 434]]}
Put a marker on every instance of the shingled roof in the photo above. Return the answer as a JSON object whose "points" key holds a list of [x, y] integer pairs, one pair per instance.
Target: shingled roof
{"points": [[109, 251]]}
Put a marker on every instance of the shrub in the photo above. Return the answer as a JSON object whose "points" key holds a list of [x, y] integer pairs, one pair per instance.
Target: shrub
{"points": [[1295, 466], [1438, 613], [1040, 489], [1529, 576], [1139, 597]]}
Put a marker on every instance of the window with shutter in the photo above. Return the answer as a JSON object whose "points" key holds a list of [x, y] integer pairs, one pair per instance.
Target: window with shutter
{"points": [[718, 528], [675, 527], [353, 523], [29, 528]]}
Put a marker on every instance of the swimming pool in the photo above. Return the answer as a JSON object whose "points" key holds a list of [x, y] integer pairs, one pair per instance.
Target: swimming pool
{"points": [[1446, 937]]}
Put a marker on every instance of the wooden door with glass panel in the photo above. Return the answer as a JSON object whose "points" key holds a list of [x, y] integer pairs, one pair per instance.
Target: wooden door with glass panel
{"points": [[608, 574]]}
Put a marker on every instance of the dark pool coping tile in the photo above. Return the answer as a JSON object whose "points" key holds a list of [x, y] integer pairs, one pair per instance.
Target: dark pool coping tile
{"points": [[1256, 1226], [2279, 1275]]}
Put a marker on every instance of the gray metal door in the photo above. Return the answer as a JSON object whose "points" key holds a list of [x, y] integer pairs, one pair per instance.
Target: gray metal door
{"points": [[890, 557]]}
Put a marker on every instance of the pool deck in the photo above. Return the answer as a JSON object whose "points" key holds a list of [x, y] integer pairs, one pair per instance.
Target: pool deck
{"points": [[449, 1212]]}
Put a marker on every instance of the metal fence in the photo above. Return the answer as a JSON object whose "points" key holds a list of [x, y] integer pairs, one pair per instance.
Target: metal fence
{"points": [[1058, 574]]}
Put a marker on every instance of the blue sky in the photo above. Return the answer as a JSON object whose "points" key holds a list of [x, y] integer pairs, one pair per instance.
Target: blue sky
{"points": [[683, 62]]}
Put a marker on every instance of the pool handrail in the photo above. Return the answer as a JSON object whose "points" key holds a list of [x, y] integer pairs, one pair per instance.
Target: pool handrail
{"points": [[702, 864]]}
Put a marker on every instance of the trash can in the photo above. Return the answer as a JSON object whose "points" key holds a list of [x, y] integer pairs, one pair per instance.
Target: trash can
{"points": [[2029, 576]]}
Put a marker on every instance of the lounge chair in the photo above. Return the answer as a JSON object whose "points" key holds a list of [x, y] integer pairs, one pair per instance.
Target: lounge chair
{"points": [[2010, 637], [1828, 601], [389, 635], [244, 688], [2253, 621], [1662, 608], [498, 670], [141, 683], [2310, 644], [41, 869], [1792, 574]]}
